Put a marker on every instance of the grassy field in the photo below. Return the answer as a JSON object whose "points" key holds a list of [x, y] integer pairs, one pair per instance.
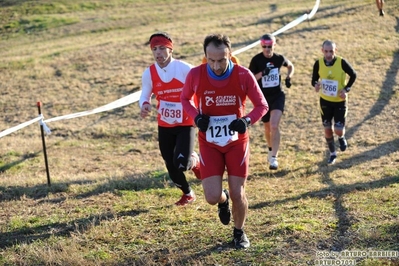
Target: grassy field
{"points": [[111, 202]]}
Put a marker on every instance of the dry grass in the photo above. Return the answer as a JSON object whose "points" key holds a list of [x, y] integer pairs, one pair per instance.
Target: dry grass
{"points": [[111, 202]]}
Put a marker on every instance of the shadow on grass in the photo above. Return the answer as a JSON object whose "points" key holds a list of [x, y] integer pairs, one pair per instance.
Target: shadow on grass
{"points": [[30, 234], [8, 3], [337, 192], [341, 240], [333, 190], [386, 93], [373, 154], [24, 157], [42, 191]]}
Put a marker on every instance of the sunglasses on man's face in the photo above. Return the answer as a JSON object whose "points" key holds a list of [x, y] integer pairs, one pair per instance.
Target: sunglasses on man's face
{"points": [[267, 46]]}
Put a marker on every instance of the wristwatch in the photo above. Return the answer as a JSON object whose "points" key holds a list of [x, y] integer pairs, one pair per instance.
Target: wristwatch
{"points": [[248, 120], [347, 89]]}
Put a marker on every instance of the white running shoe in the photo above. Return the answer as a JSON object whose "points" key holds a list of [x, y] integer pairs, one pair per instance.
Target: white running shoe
{"points": [[273, 163]]}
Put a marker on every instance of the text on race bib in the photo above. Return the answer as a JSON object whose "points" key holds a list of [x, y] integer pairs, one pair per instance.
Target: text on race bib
{"points": [[329, 87], [170, 112], [271, 80], [218, 130]]}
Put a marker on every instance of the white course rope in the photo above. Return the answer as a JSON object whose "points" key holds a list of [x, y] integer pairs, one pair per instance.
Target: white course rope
{"points": [[18, 127], [134, 97], [285, 28], [131, 98]]}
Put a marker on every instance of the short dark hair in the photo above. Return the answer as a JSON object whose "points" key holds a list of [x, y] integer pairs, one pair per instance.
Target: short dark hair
{"points": [[268, 37], [217, 40], [161, 34]]}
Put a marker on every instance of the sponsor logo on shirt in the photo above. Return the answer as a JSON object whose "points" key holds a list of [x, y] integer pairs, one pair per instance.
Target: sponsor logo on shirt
{"points": [[270, 65], [220, 120], [225, 100], [209, 101]]}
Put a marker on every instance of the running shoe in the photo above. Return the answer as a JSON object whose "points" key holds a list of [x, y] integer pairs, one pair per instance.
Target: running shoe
{"points": [[332, 158], [342, 143], [224, 210], [186, 199], [240, 240], [273, 163]]}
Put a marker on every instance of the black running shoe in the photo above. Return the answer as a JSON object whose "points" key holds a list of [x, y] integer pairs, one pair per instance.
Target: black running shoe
{"points": [[332, 158], [342, 143], [224, 210], [382, 13], [240, 240]]}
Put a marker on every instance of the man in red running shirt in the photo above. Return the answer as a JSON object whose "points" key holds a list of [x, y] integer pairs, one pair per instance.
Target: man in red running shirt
{"points": [[221, 88]]}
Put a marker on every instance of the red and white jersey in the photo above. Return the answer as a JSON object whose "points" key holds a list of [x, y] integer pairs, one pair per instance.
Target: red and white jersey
{"points": [[167, 84]]}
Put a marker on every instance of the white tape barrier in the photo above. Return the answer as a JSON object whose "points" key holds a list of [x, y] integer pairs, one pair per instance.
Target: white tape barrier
{"points": [[285, 28], [131, 98], [20, 126], [134, 97]]}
